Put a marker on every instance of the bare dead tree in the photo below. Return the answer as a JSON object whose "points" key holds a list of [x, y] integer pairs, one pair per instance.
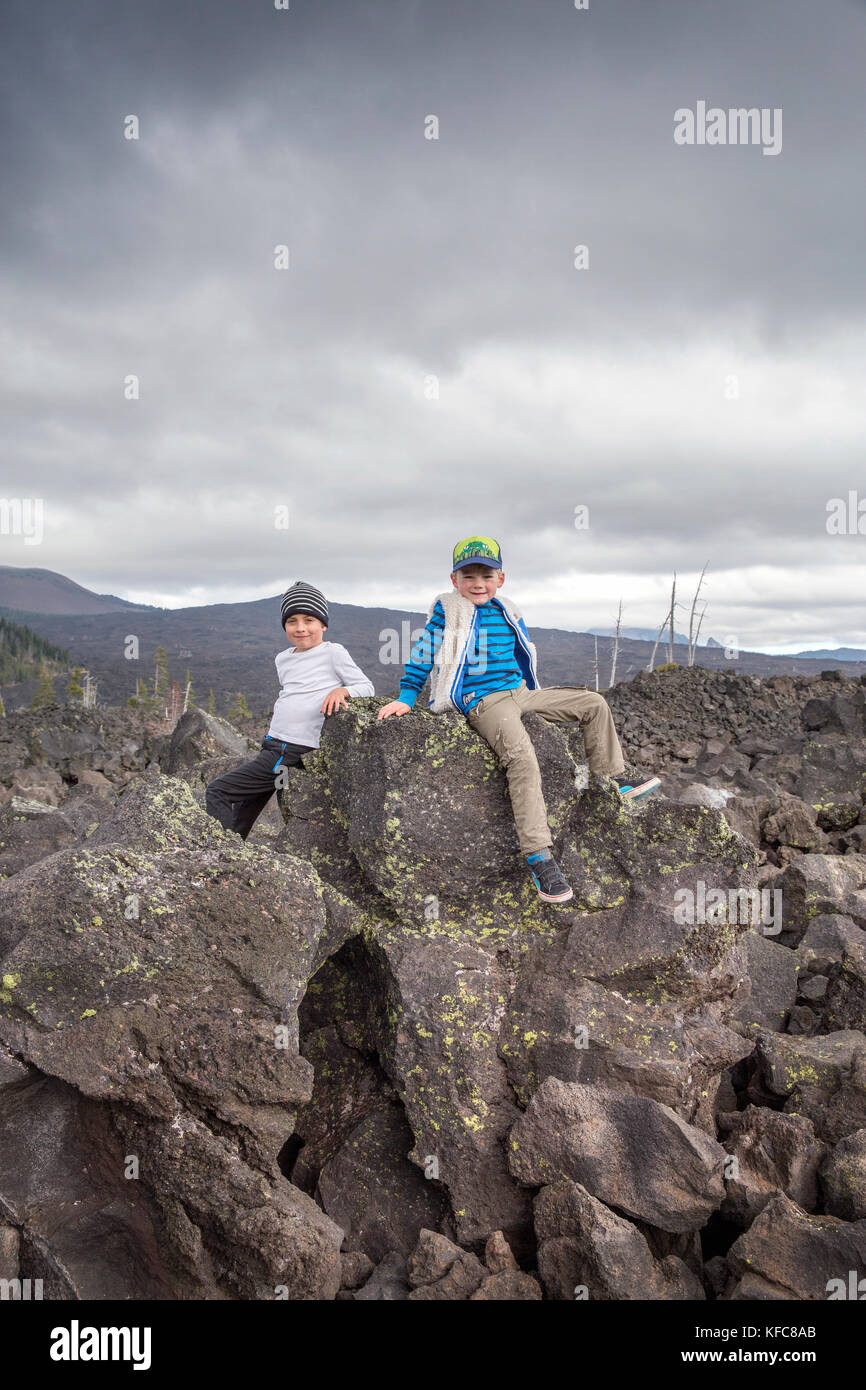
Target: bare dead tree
{"points": [[88, 698], [658, 639], [698, 633], [615, 647], [672, 609], [693, 641], [596, 662], [175, 704]]}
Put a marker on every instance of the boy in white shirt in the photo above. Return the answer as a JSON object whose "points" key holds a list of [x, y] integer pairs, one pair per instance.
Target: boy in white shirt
{"points": [[316, 679]]}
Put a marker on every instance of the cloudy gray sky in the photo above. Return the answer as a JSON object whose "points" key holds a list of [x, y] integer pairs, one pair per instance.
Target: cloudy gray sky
{"points": [[432, 364]]}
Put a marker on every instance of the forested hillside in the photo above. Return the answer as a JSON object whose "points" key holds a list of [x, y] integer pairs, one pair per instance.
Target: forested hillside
{"points": [[23, 653]]}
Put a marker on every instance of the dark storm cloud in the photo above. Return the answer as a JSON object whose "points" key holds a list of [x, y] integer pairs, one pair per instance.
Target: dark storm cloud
{"points": [[452, 257]]}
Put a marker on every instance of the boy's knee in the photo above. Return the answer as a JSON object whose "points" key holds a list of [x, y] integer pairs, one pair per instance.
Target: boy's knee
{"points": [[213, 790], [515, 754]]}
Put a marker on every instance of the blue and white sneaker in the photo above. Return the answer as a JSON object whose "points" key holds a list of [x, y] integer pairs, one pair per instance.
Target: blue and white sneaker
{"points": [[632, 790]]}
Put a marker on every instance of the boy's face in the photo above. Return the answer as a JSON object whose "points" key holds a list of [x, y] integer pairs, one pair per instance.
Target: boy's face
{"points": [[478, 582], [304, 631]]}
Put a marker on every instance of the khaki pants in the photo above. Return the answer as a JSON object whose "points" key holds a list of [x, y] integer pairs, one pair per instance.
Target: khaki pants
{"points": [[499, 720]]}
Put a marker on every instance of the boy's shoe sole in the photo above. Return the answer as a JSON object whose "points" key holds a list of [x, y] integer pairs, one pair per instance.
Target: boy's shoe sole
{"points": [[634, 792], [563, 897]]}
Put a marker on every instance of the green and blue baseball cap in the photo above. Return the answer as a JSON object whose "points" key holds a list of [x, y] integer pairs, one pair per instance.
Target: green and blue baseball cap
{"points": [[477, 550]]}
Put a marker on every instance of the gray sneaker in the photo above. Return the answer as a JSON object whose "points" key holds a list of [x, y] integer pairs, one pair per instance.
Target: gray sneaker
{"points": [[551, 885]]}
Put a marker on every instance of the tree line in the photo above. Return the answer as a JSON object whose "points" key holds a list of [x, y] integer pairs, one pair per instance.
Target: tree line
{"points": [[25, 655], [171, 699], [23, 652]]}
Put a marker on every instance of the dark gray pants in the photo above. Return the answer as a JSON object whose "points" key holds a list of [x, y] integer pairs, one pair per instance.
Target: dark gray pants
{"points": [[238, 797]]}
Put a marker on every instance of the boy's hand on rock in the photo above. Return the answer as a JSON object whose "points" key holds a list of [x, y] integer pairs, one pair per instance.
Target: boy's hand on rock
{"points": [[395, 707], [335, 699]]}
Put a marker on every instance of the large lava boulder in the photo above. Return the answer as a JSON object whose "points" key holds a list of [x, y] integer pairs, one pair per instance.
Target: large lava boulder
{"points": [[481, 990], [165, 983]]}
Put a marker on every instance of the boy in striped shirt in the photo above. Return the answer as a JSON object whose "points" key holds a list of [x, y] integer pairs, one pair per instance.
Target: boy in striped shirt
{"points": [[477, 652]]}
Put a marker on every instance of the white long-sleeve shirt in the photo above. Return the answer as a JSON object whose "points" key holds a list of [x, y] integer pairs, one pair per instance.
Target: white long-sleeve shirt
{"points": [[305, 679]]}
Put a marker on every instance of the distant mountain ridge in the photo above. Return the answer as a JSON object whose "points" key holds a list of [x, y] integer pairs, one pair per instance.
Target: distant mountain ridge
{"points": [[31, 590], [648, 634], [230, 647], [836, 654]]}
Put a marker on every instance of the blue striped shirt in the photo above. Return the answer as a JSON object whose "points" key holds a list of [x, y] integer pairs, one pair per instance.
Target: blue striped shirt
{"points": [[491, 663]]}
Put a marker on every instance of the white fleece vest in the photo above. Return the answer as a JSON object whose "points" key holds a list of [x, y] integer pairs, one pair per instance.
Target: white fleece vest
{"points": [[459, 613]]}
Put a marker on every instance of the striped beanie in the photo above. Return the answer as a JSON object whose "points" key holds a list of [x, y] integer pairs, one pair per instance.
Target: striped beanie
{"points": [[303, 598]]}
